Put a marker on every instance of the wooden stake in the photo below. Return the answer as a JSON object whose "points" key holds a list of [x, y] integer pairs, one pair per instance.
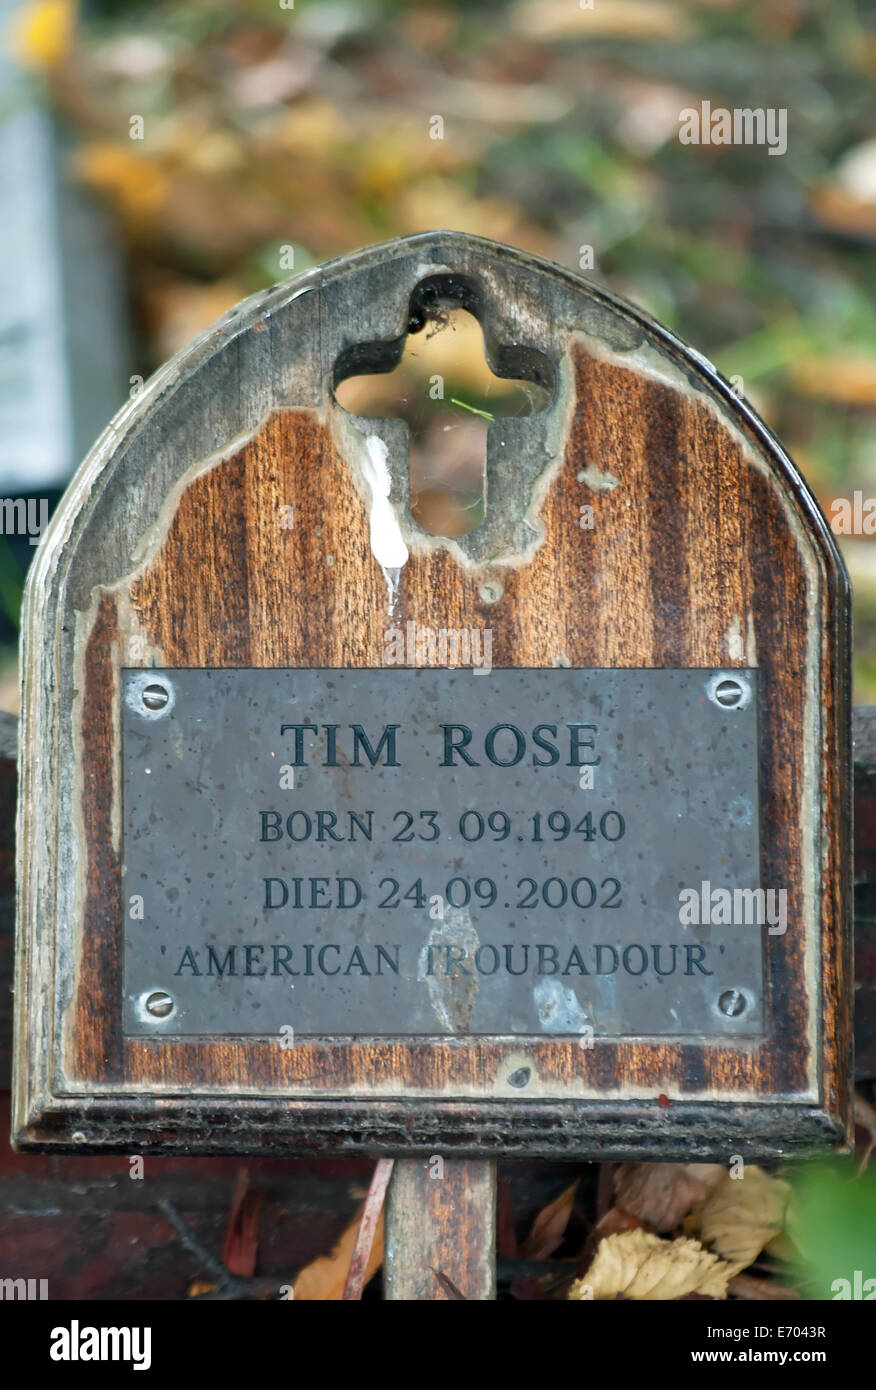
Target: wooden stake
{"points": [[441, 1230]]}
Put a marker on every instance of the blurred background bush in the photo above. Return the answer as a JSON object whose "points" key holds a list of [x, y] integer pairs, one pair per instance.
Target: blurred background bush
{"points": [[275, 136]]}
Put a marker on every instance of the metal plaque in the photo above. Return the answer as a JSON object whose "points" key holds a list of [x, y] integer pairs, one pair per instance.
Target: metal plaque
{"points": [[443, 851]]}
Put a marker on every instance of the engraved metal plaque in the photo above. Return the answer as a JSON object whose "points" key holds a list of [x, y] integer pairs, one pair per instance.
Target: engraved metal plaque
{"points": [[432, 851]]}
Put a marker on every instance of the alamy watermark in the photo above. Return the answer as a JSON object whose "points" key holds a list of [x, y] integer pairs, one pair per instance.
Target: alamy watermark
{"points": [[853, 516], [734, 907], [741, 126], [24, 1290], [857, 1288], [78, 1343], [25, 516], [415, 645]]}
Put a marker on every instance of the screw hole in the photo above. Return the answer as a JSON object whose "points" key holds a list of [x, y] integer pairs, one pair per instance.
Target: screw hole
{"points": [[520, 1077]]}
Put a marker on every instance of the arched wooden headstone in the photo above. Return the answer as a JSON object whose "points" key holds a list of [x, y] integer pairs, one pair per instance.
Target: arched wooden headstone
{"points": [[583, 890]]}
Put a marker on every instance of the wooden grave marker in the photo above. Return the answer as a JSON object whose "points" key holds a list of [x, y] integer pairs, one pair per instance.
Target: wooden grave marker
{"points": [[286, 885]]}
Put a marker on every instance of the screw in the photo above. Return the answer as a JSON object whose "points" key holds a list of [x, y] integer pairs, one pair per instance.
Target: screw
{"points": [[155, 696], [731, 1003], [159, 1004], [728, 692]]}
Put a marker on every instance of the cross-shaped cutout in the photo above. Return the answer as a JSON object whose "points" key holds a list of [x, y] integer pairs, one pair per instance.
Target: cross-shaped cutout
{"points": [[446, 391]]}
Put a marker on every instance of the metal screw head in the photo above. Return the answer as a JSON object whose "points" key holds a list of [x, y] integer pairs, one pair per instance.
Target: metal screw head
{"points": [[159, 1004], [728, 691], [155, 696], [149, 694], [732, 1003], [728, 694]]}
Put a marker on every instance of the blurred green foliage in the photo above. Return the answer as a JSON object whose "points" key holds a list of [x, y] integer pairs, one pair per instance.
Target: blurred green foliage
{"points": [[834, 1226]]}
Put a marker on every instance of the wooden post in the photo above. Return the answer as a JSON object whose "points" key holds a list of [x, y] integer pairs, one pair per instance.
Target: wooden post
{"points": [[440, 1238]]}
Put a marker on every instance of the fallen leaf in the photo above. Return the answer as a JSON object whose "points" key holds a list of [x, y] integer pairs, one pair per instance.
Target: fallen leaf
{"points": [[617, 1219], [135, 184], [640, 1266], [549, 1226], [837, 208], [627, 19], [743, 1215], [199, 1287], [242, 1237], [41, 31], [845, 380], [663, 1194], [443, 202], [612, 1221], [323, 1280]]}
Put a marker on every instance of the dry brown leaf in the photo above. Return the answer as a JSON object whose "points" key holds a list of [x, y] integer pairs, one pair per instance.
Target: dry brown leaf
{"points": [[442, 202], [663, 1194], [549, 1226], [743, 1215], [614, 1220], [201, 1286], [323, 1280], [240, 1251], [839, 209], [846, 380], [640, 1266], [627, 19]]}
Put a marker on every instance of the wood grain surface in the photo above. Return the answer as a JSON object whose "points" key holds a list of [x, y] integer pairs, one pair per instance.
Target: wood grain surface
{"points": [[440, 1243]]}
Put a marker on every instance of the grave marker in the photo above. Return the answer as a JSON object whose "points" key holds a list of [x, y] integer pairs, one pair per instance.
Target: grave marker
{"points": [[287, 884]]}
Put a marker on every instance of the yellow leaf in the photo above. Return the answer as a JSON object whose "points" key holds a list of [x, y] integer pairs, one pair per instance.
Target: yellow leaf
{"points": [[743, 1215], [216, 152], [440, 202], [201, 1286], [626, 19], [40, 33], [323, 1280], [135, 184], [312, 123], [640, 1266], [845, 380]]}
